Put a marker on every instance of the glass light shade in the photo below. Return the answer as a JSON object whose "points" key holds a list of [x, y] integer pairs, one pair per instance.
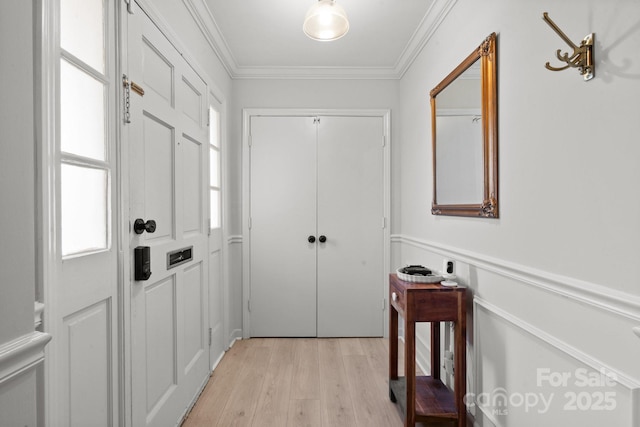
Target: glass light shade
{"points": [[326, 21]]}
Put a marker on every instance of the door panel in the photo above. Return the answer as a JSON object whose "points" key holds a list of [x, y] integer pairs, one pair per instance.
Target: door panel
{"points": [[192, 187], [160, 333], [350, 215], [283, 211], [194, 321], [157, 181], [86, 335], [169, 312]]}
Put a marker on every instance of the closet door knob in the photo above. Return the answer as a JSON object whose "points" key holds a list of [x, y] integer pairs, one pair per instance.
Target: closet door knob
{"points": [[311, 239], [322, 239]]}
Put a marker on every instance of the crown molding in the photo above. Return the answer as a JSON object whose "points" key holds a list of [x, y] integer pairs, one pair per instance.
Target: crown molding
{"points": [[206, 22], [427, 28]]}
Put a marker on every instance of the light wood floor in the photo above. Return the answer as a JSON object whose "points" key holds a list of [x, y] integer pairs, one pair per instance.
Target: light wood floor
{"points": [[299, 382]]}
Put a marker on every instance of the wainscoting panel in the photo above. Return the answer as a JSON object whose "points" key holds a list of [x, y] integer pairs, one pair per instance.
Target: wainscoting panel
{"points": [[526, 328], [525, 377], [21, 362]]}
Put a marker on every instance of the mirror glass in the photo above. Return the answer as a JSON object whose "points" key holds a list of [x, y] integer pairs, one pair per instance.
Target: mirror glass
{"points": [[464, 135]]}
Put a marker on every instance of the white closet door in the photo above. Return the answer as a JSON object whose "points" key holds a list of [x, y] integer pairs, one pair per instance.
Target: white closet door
{"points": [[350, 216], [283, 216]]}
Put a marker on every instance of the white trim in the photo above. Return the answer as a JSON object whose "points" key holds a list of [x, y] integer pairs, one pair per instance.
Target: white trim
{"points": [[595, 295], [22, 354], [206, 22], [235, 335], [430, 23], [234, 240], [631, 384], [47, 40], [247, 113], [38, 309]]}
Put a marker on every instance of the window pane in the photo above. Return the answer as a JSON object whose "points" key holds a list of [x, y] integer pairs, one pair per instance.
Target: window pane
{"points": [[82, 30], [214, 128], [82, 113], [214, 168], [84, 209], [214, 200]]}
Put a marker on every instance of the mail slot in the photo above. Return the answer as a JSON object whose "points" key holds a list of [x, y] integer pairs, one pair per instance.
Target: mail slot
{"points": [[178, 257]]}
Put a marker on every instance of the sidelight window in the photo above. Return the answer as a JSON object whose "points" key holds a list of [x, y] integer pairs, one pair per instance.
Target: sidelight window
{"points": [[214, 169], [85, 168]]}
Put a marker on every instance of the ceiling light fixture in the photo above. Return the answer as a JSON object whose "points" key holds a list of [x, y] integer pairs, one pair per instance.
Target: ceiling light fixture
{"points": [[326, 21]]}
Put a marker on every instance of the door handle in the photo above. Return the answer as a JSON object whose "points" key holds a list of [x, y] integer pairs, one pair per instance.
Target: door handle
{"points": [[139, 226], [311, 239], [322, 239]]}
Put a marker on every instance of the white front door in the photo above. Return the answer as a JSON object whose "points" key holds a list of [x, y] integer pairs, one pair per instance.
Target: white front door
{"points": [[317, 226], [168, 148]]}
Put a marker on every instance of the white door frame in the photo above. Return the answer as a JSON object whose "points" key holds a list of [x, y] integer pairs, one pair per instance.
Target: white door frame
{"points": [[247, 113]]}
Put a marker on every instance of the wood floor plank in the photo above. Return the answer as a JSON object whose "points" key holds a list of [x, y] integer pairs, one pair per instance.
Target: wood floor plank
{"points": [[370, 400], [350, 346], [304, 413], [306, 370], [273, 401], [299, 382], [213, 399], [336, 405], [243, 397]]}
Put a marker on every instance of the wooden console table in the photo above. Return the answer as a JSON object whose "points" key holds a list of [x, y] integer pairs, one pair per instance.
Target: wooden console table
{"points": [[426, 398]]}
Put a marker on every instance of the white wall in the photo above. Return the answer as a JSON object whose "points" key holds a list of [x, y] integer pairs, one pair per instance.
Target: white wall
{"points": [[556, 277]]}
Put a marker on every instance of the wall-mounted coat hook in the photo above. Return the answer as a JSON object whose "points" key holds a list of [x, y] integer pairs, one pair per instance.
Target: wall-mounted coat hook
{"points": [[582, 56]]}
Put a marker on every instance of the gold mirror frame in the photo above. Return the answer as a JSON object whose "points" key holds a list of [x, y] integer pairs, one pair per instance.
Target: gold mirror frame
{"points": [[486, 53]]}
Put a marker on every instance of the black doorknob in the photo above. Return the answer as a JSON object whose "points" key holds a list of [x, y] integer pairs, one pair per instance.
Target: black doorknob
{"points": [[311, 239], [139, 226], [322, 239]]}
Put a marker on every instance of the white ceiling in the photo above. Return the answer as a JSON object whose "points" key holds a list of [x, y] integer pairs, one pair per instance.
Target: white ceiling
{"points": [[264, 38]]}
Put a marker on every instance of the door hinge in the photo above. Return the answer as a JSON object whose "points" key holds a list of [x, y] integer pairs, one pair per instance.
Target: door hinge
{"points": [[209, 227], [384, 222], [130, 6], [250, 140], [249, 224], [249, 305], [210, 336], [384, 304]]}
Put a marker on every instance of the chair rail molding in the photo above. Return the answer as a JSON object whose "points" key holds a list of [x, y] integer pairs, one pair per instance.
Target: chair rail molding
{"points": [[22, 354], [595, 295]]}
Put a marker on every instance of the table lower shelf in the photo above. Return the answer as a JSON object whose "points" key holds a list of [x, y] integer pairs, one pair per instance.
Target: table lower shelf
{"points": [[434, 401]]}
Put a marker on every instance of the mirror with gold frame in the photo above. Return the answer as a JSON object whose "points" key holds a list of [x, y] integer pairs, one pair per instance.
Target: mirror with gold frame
{"points": [[464, 132]]}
